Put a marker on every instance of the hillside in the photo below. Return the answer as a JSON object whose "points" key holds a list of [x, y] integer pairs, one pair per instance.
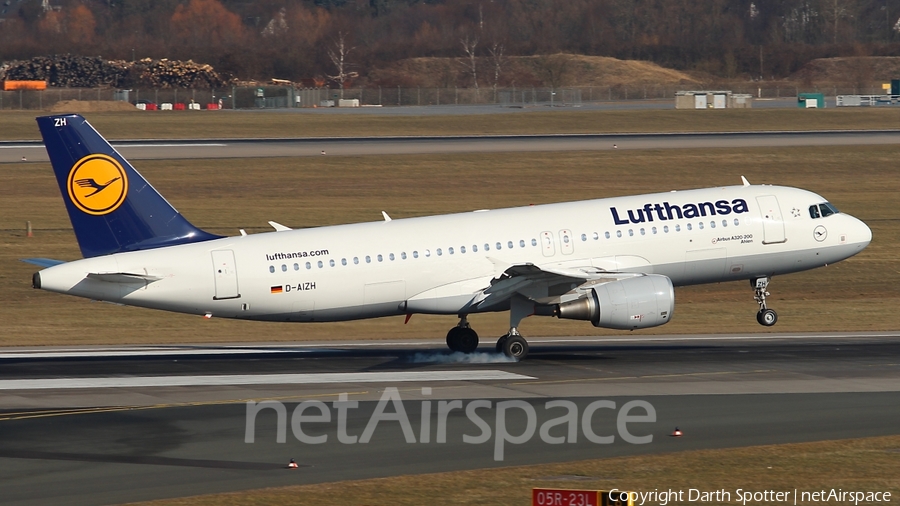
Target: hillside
{"points": [[557, 70]]}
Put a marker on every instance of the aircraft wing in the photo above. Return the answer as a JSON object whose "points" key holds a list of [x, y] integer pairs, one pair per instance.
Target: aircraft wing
{"points": [[545, 285], [42, 262]]}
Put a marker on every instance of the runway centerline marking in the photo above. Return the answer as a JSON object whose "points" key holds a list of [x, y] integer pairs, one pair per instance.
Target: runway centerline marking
{"points": [[649, 376], [256, 379]]}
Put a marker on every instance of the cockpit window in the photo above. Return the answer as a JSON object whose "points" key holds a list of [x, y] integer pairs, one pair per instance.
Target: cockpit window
{"points": [[827, 209], [822, 210]]}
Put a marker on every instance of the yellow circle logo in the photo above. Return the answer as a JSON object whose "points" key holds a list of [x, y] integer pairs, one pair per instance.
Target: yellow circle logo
{"points": [[97, 184]]}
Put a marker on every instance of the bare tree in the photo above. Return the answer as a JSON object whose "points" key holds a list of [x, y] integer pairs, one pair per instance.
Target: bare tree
{"points": [[338, 55], [471, 63], [496, 51]]}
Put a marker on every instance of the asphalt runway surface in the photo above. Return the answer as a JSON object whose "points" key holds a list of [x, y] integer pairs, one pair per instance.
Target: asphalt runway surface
{"points": [[11, 152], [102, 425]]}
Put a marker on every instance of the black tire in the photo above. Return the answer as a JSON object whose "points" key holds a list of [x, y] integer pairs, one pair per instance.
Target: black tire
{"points": [[767, 317], [453, 339], [500, 342], [468, 340], [515, 347]]}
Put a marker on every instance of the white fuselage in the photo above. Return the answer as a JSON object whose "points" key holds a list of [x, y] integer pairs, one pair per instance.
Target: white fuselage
{"points": [[437, 264]]}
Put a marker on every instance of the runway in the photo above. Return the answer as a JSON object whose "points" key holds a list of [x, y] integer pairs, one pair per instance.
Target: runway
{"points": [[33, 151], [102, 443]]}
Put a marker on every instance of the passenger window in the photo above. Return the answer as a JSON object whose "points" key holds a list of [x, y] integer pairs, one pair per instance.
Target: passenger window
{"points": [[534, 242], [487, 247], [618, 233], [643, 232], [368, 259], [597, 236], [689, 227], [296, 267], [736, 222], [391, 256], [499, 246], [355, 260], [272, 268], [724, 223], [380, 258], [606, 234], [654, 230], [450, 250], [439, 252], [583, 237], [283, 268], [415, 254], [699, 225], [331, 262], [521, 243], [510, 243], [343, 261], [666, 229], [474, 248], [308, 266], [712, 224], [321, 264], [403, 255], [630, 233], [427, 253]]}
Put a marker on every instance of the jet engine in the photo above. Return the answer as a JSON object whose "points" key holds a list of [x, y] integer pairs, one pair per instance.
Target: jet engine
{"points": [[626, 304]]}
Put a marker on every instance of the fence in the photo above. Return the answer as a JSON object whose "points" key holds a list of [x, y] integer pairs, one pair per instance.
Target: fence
{"points": [[267, 97]]}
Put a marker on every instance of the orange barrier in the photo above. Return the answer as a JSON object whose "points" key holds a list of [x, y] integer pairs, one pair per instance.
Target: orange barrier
{"points": [[212, 107], [24, 85], [178, 107]]}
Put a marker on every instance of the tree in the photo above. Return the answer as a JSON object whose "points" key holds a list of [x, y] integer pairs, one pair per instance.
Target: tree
{"points": [[496, 51], [471, 62], [338, 55]]}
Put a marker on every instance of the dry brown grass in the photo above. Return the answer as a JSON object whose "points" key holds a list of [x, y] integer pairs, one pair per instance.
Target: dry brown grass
{"points": [[224, 195], [871, 464], [19, 125]]}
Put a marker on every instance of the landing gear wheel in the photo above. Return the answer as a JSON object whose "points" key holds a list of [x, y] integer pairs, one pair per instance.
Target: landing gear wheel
{"points": [[500, 343], [767, 317], [515, 347], [462, 339]]}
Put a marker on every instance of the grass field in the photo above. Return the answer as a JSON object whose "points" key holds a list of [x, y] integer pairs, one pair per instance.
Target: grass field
{"points": [[852, 465], [17, 125], [224, 195]]}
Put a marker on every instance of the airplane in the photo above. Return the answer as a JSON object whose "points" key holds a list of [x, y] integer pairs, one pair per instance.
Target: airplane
{"points": [[612, 261]]}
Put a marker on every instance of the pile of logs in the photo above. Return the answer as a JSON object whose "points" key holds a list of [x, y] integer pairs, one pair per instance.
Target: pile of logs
{"points": [[67, 71], [70, 71]]}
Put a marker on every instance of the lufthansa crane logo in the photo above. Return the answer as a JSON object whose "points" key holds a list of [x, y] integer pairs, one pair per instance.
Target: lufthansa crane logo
{"points": [[97, 184]]}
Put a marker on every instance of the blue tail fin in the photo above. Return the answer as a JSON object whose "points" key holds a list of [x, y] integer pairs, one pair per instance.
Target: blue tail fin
{"points": [[112, 207]]}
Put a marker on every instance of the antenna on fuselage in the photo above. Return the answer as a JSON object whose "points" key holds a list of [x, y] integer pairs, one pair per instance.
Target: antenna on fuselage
{"points": [[744, 180]]}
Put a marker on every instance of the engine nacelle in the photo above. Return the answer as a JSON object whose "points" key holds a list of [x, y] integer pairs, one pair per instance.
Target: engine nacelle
{"points": [[630, 303]]}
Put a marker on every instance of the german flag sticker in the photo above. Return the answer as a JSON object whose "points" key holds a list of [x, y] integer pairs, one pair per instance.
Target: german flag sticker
{"points": [[277, 289]]}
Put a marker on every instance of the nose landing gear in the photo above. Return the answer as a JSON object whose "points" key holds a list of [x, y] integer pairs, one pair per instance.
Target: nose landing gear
{"points": [[766, 317]]}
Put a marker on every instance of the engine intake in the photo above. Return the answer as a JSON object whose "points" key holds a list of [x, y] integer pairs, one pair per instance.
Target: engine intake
{"points": [[630, 303]]}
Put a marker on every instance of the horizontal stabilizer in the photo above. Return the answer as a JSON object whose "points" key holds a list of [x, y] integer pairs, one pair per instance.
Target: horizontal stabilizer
{"points": [[42, 262], [123, 277]]}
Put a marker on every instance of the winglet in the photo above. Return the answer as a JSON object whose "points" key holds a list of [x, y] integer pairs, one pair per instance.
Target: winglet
{"points": [[279, 227], [744, 180], [111, 206]]}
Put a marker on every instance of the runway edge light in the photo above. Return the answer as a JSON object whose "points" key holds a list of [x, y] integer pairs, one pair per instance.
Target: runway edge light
{"points": [[676, 433], [292, 464]]}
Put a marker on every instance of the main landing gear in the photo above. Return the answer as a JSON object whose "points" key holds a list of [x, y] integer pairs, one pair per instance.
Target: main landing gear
{"points": [[765, 316], [463, 339]]}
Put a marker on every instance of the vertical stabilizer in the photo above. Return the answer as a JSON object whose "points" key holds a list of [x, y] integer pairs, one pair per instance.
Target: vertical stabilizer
{"points": [[111, 206]]}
